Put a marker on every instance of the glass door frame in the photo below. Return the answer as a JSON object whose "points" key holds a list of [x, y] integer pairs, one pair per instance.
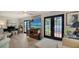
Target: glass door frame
{"points": [[53, 37], [45, 25], [52, 27]]}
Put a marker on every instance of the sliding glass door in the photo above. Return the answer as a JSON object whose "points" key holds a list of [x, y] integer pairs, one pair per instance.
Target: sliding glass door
{"points": [[58, 27], [47, 27], [54, 27]]}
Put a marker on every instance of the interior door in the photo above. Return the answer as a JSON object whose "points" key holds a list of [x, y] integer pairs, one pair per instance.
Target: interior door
{"points": [[58, 27]]}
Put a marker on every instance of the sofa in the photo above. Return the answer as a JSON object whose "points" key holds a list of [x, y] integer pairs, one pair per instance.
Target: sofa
{"points": [[4, 43]]}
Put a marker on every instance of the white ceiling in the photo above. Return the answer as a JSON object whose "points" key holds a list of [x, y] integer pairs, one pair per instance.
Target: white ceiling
{"points": [[22, 14], [37, 12], [45, 12], [13, 14]]}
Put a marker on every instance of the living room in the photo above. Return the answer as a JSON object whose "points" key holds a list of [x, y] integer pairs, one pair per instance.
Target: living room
{"points": [[29, 29], [39, 29]]}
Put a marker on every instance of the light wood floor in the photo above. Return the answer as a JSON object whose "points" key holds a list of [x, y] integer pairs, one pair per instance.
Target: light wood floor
{"points": [[21, 41]]}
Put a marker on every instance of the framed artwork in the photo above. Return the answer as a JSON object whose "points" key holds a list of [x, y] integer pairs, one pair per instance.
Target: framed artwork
{"points": [[72, 17]]}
